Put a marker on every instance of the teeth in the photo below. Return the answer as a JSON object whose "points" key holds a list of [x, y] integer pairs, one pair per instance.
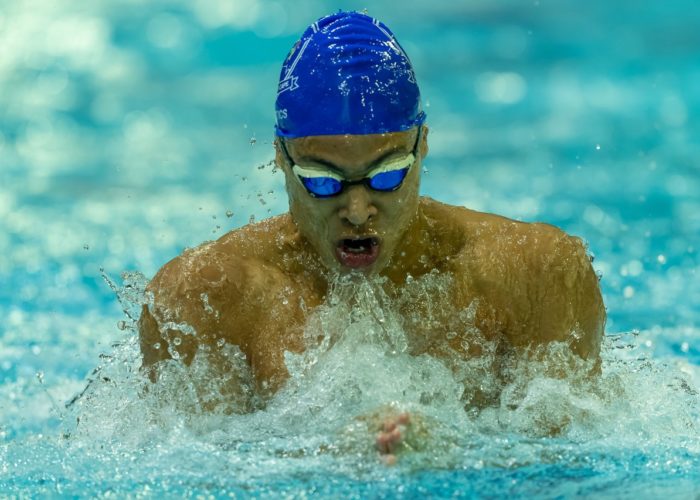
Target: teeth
{"points": [[357, 246], [359, 249]]}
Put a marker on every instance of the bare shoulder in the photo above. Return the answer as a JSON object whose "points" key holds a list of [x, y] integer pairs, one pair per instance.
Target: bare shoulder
{"points": [[214, 290], [538, 278], [233, 262]]}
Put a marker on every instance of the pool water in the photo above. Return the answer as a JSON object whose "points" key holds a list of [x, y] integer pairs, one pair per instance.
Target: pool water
{"points": [[129, 132]]}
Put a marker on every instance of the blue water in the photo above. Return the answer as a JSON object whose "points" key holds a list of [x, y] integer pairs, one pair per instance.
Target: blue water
{"points": [[129, 132]]}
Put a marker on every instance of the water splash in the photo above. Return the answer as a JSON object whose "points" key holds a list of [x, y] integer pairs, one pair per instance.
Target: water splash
{"points": [[360, 364]]}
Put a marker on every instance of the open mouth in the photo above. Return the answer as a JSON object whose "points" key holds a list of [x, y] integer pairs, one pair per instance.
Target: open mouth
{"points": [[357, 252]]}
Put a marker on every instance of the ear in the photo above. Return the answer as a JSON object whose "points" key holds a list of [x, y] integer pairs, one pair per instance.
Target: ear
{"points": [[280, 158], [423, 146], [283, 164]]}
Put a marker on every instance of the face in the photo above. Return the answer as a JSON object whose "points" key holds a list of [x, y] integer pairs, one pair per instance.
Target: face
{"points": [[360, 228]]}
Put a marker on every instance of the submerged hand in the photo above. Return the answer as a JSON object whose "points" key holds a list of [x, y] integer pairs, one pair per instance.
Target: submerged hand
{"points": [[391, 436]]}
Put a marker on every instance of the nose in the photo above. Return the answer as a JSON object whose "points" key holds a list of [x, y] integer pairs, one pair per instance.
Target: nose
{"points": [[358, 207]]}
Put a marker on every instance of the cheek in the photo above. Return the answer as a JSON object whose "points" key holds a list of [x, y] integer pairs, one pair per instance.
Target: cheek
{"points": [[403, 209], [309, 217]]}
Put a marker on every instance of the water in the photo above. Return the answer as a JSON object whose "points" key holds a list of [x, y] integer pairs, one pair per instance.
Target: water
{"points": [[130, 132]]}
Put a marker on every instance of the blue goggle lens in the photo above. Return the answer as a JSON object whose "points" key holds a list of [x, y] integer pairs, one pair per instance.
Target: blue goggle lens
{"points": [[388, 181], [322, 186], [328, 186]]}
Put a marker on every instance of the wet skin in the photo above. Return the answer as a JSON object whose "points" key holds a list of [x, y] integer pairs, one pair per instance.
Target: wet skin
{"points": [[256, 286]]}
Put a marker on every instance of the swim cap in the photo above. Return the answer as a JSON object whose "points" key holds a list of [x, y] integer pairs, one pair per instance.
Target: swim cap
{"points": [[347, 74]]}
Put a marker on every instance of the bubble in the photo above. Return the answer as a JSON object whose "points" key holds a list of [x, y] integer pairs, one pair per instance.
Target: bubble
{"points": [[229, 213]]}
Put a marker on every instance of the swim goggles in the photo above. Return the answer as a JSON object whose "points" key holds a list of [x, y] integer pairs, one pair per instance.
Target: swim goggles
{"points": [[324, 183]]}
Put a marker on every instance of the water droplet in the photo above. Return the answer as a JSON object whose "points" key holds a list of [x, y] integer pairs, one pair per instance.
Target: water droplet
{"points": [[628, 292], [597, 146], [229, 213], [251, 220], [253, 140], [661, 259], [121, 325], [220, 342], [285, 301], [685, 347], [177, 341], [156, 346]]}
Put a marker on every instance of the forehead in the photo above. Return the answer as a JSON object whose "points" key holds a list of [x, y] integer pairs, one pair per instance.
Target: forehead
{"points": [[351, 149]]}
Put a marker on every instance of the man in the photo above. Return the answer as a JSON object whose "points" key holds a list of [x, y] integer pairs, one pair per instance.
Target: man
{"points": [[350, 138]]}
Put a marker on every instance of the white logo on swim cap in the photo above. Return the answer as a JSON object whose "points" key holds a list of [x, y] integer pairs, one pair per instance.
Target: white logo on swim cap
{"points": [[291, 82]]}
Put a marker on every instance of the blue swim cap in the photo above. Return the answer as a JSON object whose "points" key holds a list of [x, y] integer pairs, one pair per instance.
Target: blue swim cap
{"points": [[347, 74]]}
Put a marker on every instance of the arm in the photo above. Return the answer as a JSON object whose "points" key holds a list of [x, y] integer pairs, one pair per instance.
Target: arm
{"points": [[541, 286], [559, 296], [193, 296]]}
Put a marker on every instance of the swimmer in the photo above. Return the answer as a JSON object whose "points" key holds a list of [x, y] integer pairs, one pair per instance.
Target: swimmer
{"points": [[350, 137]]}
